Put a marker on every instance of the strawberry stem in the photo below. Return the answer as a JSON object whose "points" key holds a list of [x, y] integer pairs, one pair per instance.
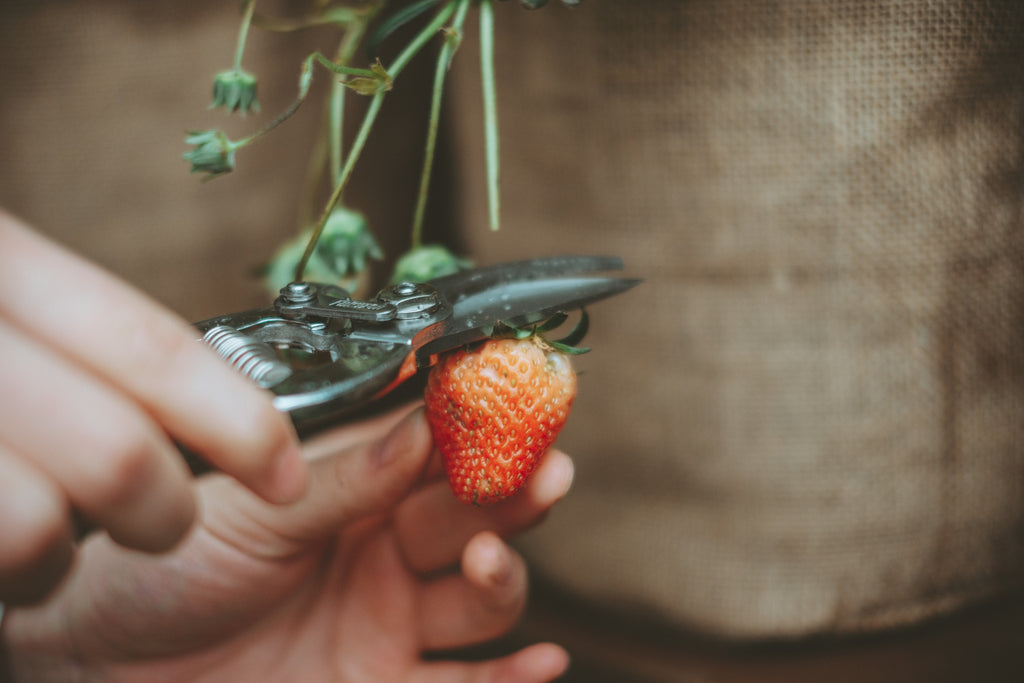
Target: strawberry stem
{"points": [[453, 37], [346, 50], [490, 97], [248, 8], [328, 153]]}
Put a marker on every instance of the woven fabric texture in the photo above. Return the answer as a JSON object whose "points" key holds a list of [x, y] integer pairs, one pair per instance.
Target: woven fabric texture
{"points": [[809, 418]]}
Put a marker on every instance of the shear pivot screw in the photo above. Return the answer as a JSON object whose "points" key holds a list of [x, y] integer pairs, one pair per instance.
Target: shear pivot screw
{"points": [[410, 300], [297, 292], [406, 289]]}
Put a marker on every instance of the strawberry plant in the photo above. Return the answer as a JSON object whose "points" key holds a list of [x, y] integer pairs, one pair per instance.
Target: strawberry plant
{"points": [[336, 245], [494, 408]]}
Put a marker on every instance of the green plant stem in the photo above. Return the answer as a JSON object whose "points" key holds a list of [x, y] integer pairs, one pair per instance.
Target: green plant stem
{"points": [[490, 109], [335, 128], [329, 151], [346, 50], [363, 134], [444, 60], [243, 32], [327, 154], [316, 164]]}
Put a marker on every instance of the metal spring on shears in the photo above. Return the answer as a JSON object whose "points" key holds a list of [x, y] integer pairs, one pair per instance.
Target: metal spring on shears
{"points": [[252, 358]]}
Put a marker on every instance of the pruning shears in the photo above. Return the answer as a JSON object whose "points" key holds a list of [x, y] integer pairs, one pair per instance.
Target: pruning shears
{"points": [[324, 354]]}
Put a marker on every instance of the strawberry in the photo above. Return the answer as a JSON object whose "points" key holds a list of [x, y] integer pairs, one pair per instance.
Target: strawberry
{"points": [[494, 410]]}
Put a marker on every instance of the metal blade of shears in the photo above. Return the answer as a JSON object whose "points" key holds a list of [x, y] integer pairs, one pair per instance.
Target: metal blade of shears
{"points": [[517, 294]]}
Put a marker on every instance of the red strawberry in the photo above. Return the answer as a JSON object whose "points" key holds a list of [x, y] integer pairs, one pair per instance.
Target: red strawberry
{"points": [[494, 410]]}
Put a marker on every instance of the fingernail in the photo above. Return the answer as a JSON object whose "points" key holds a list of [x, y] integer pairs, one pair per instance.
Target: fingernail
{"points": [[499, 566], [557, 479], [290, 477], [406, 435]]}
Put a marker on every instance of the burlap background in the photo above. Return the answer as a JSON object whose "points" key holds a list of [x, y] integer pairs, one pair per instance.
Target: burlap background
{"points": [[810, 417], [808, 420]]}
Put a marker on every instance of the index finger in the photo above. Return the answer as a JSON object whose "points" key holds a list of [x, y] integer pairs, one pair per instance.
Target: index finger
{"points": [[145, 351]]}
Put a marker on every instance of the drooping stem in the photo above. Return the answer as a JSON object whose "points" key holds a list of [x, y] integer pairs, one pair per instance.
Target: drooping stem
{"points": [[452, 40], [243, 32], [335, 128], [346, 49], [490, 109], [327, 154], [363, 134], [316, 165]]}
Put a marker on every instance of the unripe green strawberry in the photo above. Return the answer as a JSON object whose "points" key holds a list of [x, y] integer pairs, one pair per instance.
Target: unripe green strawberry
{"points": [[494, 410]]}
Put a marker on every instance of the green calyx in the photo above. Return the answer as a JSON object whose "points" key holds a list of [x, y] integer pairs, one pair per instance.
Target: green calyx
{"points": [[340, 257], [569, 344], [347, 243], [213, 153], [426, 263], [235, 90]]}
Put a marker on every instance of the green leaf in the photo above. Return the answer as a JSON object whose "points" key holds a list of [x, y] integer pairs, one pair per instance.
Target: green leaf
{"points": [[567, 349], [578, 332], [552, 323]]}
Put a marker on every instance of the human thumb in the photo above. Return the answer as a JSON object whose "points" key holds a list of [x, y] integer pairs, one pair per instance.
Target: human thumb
{"points": [[361, 480]]}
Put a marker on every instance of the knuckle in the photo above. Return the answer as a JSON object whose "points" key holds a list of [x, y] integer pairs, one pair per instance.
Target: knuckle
{"points": [[156, 347], [131, 493], [257, 437], [122, 462], [261, 431], [40, 529], [509, 602], [506, 588], [497, 614]]}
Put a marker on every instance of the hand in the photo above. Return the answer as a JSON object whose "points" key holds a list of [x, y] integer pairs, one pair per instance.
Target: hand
{"points": [[98, 380], [353, 583]]}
